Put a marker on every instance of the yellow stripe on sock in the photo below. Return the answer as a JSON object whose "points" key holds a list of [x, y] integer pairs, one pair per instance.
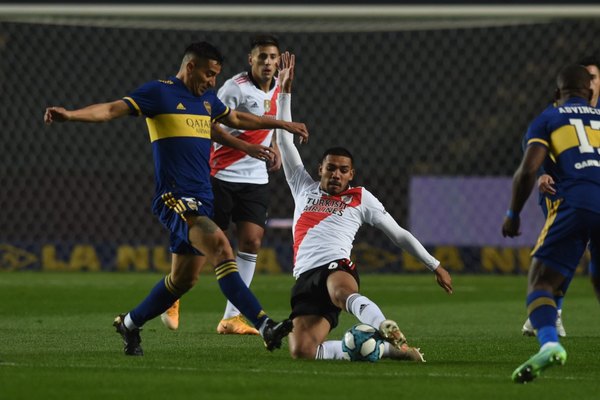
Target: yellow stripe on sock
{"points": [[226, 269], [170, 286], [539, 302]]}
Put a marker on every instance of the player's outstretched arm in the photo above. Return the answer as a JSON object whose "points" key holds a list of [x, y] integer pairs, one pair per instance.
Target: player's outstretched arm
{"points": [[242, 120], [406, 241], [100, 112], [219, 135], [290, 156]]}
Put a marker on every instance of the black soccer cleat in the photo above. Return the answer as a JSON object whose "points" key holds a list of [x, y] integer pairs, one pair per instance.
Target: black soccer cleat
{"points": [[131, 339], [274, 332]]}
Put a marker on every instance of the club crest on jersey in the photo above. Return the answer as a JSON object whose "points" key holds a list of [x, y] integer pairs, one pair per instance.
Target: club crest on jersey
{"points": [[347, 198], [267, 105], [208, 107], [191, 203]]}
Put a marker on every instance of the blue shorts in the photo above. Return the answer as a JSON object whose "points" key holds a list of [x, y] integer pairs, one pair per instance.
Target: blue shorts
{"points": [[565, 237], [171, 210]]}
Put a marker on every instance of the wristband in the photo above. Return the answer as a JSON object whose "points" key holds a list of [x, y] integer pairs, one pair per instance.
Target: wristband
{"points": [[510, 214]]}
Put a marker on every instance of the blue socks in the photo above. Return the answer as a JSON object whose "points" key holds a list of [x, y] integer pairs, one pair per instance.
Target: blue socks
{"points": [[165, 293], [236, 291], [542, 311], [161, 297]]}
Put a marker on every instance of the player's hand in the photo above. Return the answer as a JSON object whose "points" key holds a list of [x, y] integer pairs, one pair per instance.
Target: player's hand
{"points": [[286, 66], [55, 114], [546, 184], [297, 128], [511, 226], [260, 152], [444, 279], [274, 165]]}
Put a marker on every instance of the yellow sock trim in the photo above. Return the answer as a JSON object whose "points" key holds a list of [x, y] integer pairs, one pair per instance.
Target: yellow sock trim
{"points": [[225, 269], [539, 302]]}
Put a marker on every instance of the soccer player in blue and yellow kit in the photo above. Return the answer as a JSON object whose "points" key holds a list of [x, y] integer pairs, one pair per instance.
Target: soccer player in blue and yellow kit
{"points": [[180, 112], [546, 185], [570, 132]]}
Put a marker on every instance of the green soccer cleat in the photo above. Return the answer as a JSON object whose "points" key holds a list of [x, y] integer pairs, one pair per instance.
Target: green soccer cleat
{"points": [[532, 368]]}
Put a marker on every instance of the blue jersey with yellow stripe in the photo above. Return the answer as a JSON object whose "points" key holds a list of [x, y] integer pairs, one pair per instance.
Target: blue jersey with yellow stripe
{"points": [[571, 132], [179, 125]]}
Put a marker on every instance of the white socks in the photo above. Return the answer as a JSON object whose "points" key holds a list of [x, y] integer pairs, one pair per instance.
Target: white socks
{"points": [[128, 322], [246, 264], [365, 310], [330, 350]]}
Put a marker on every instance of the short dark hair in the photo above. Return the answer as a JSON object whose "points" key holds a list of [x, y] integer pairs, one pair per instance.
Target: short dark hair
{"points": [[589, 60], [573, 78], [264, 40], [204, 50], [337, 151]]}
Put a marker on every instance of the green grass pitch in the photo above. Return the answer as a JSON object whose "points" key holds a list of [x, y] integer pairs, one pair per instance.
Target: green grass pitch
{"points": [[57, 342]]}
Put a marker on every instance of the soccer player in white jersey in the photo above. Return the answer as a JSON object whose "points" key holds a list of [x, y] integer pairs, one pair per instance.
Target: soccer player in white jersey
{"points": [[327, 215], [240, 181]]}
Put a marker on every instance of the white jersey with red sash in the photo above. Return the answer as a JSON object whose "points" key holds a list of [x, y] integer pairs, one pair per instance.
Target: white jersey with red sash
{"points": [[241, 93], [324, 225]]}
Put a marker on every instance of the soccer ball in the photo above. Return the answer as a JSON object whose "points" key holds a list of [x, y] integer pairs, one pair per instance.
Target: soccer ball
{"points": [[362, 342]]}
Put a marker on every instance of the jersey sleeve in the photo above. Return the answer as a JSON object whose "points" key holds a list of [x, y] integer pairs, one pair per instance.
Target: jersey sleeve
{"points": [[230, 94], [376, 215], [218, 109], [373, 210], [537, 132], [299, 180], [144, 99]]}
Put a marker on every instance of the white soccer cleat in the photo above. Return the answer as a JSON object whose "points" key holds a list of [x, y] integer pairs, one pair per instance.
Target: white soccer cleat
{"points": [[560, 329], [527, 329], [391, 333]]}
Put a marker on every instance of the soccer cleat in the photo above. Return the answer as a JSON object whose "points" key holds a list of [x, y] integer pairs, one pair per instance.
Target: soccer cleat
{"points": [[528, 329], [170, 318], [532, 368], [273, 332], [131, 339], [391, 333], [560, 329], [407, 353], [236, 326]]}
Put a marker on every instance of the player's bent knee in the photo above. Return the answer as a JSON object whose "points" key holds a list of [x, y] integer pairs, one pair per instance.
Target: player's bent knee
{"points": [[250, 245], [303, 351], [184, 284]]}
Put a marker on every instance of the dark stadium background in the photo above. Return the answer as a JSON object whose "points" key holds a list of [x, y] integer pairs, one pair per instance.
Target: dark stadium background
{"points": [[425, 97]]}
